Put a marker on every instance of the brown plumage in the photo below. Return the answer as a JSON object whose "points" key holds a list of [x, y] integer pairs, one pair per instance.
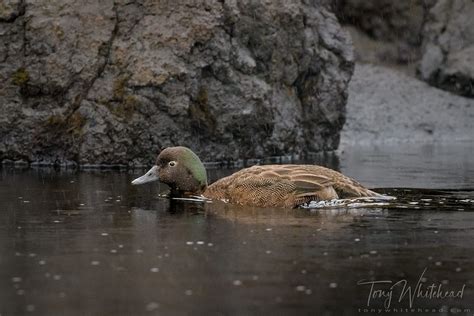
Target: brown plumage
{"points": [[285, 186], [262, 186]]}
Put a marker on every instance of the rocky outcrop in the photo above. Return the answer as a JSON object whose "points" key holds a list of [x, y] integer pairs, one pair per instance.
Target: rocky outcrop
{"points": [[384, 31], [448, 47], [114, 81], [386, 106]]}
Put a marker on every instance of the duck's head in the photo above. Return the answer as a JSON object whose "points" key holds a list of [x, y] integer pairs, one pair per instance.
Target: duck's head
{"points": [[178, 167]]}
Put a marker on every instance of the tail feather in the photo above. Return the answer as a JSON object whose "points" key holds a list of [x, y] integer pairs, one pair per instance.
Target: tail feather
{"points": [[356, 190], [379, 196]]}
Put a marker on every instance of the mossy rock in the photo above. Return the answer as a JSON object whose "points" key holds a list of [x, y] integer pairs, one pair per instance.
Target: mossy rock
{"points": [[200, 112], [72, 124], [20, 77], [119, 88]]}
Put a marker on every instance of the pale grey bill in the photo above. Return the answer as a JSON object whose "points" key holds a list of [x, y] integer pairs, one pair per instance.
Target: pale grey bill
{"points": [[151, 175]]}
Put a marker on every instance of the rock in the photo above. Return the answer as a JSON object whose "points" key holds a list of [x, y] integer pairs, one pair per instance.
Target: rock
{"points": [[112, 82], [448, 47], [10, 10], [384, 31], [385, 106]]}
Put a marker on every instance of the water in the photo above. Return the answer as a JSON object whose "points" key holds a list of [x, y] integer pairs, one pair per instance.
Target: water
{"points": [[89, 243]]}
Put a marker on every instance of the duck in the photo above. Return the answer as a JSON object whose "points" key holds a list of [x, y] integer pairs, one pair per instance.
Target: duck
{"points": [[276, 186]]}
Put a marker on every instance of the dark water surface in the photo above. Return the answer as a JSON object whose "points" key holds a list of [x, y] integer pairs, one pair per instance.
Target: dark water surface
{"points": [[88, 243]]}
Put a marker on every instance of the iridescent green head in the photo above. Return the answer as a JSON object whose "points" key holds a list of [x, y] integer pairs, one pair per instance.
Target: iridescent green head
{"points": [[180, 168]]}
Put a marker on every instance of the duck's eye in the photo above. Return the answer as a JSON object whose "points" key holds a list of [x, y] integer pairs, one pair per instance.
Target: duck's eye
{"points": [[172, 163]]}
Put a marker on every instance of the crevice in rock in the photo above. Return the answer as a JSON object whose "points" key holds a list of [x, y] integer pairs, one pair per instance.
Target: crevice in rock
{"points": [[104, 52]]}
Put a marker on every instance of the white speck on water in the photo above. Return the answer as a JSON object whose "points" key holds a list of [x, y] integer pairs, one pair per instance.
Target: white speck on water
{"points": [[113, 250], [16, 279], [268, 229], [56, 221], [255, 277], [120, 246], [438, 263], [426, 200], [188, 292], [20, 197], [42, 262], [57, 277], [430, 258], [303, 271], [413, 203], [32, 255], [17, 254], [81, 204], [308, 292], [300, 288], [318, 230], [104, 234], [117, 200], [325, 253], [20, 292], [332, 285], [30, 308], [373, 252], [237, 282], [95, 263], [154, 270], [210, 244], [26, 201], [244, 242], [200, 242], [189, 243], [139, 251], [356, 239], [458, 269], [152, 306], [435, 232], [72, 181], [268, 252]]}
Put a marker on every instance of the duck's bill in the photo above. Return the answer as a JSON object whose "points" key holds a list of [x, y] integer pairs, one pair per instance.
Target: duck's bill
{"points": [[150, 176]]}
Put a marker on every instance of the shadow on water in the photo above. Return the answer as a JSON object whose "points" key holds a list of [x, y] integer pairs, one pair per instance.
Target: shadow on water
{"points": [[88, 243]]}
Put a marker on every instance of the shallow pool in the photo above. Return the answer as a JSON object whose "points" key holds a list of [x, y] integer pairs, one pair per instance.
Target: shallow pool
{"points": [[89, 243]]}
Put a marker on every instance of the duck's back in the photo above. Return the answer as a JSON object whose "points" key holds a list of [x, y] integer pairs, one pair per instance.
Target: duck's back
{"points": [[285, 186]]}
